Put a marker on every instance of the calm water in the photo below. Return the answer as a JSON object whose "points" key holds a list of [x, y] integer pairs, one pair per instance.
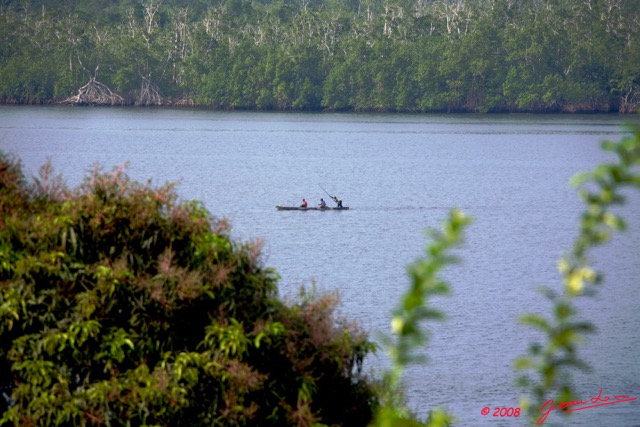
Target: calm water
{"points": [[400, 174]]}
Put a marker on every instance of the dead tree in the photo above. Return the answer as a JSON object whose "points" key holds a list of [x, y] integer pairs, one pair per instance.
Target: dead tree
{"points": [[94, 92], [149, 93], [630, 102]]}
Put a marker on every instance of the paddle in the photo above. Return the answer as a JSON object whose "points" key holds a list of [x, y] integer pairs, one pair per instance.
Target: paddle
{"points": [[332, 198], [325, 191]]}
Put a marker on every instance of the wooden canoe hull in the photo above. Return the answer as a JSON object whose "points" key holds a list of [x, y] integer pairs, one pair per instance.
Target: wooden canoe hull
{"points": [[310, 208]]}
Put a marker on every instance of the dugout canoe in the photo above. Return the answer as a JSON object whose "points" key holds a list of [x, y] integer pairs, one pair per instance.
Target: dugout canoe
{"points": [[310, 208]]}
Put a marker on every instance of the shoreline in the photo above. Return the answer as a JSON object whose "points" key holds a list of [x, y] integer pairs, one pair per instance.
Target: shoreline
{"points": [[192, 106]]}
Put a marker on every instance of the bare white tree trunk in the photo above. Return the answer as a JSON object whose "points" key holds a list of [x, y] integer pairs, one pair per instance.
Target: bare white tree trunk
{"points": [[149, 93], [150, 10], [95, 93]]}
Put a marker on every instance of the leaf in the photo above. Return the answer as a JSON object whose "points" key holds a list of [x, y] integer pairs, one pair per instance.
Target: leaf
{"points": [[536, 321]]}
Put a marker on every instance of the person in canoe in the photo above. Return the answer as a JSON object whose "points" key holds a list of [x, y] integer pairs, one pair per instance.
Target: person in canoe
{"points": [[338, 201], [322, 204], [304, 203]]}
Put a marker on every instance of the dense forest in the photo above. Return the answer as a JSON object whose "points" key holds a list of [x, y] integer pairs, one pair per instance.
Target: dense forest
{"points": [[341, 55]]}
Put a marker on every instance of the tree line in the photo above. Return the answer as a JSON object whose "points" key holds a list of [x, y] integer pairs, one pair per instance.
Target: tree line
{"points": [[340, 55]]}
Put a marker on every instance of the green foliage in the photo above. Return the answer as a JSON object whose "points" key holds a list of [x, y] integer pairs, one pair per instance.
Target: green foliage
{"points": [[120, 305], [546, 369], [406, 324], [378, 55]]}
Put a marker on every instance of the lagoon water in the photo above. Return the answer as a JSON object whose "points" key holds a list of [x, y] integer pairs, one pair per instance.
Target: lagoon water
{"points": [[400, 175]]}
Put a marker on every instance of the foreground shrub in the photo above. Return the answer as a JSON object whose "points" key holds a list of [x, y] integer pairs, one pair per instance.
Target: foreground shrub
{"points": [[120, 305], [546, 371]]}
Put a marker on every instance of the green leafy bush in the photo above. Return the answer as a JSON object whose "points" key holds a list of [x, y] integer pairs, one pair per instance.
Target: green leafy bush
{"points": [[545, 373], [120, 305], [546, 370], [407, 324]]}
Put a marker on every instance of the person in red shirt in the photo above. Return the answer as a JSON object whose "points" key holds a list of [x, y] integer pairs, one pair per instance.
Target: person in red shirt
{"points": [[304, 203]]}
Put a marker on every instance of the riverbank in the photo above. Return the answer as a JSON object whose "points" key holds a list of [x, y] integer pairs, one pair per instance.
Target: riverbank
{"points": [[627, 109]]}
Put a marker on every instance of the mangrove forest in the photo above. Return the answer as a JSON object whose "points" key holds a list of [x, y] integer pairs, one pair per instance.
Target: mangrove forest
{"points": [[338, 55]]}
